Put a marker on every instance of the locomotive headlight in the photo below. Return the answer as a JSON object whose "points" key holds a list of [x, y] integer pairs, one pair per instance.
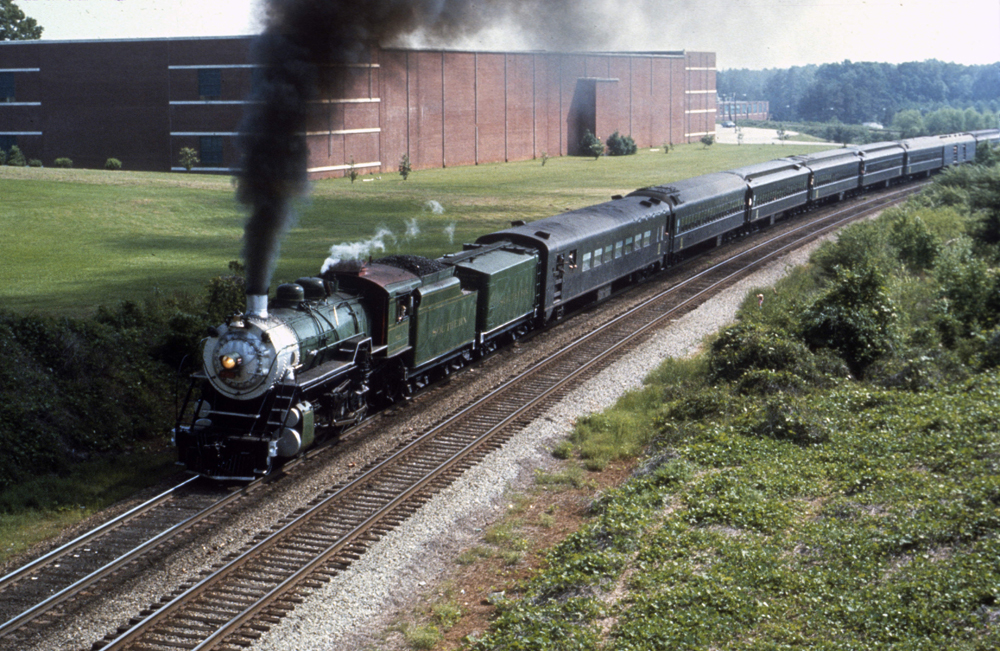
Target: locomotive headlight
{"points": [[229, 362], [243, 363]]}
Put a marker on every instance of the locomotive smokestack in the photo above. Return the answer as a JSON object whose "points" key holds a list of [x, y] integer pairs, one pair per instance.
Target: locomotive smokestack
{"points": [[257, 305]]}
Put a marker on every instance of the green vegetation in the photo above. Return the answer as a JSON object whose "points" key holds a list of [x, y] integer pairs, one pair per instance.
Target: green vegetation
{"points": [[619, 145], [859, 92], [188, 158], [591, 145], [823, 477], [15, 26], [111, 278], [89, 237]]}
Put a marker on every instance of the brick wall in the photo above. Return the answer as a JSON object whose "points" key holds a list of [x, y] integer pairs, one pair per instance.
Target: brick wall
{"points": [[141, 101]]}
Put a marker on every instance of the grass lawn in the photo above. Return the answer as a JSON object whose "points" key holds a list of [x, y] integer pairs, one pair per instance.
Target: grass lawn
{"points": [[76, 239]]}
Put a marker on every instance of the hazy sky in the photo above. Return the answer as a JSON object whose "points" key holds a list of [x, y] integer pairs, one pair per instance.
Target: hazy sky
{"points": [[744, 33]]}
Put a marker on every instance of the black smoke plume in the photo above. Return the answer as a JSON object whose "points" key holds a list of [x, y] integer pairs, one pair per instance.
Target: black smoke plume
{"points": [[303, 39]]}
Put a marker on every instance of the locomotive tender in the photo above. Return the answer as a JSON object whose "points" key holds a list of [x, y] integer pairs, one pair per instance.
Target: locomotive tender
{"points": [[363, 335]]}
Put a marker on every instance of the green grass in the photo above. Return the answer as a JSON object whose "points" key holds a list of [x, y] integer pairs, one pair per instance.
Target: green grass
{"points": [[76, 239], [36, 510], [883, 536]]}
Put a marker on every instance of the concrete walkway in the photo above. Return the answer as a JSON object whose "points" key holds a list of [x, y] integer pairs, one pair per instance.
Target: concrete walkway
{"points": [[757, 136]]}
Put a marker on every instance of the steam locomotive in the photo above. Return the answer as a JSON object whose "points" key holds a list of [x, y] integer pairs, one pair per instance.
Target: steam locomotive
{"points": [[363, 335]]}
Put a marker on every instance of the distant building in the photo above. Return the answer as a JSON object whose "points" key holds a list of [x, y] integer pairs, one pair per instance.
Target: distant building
{"points": [[143, 100], [736, 110]]}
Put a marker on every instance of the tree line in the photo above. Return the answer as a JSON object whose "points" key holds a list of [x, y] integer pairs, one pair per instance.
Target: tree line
{"points": [[861, 92]]}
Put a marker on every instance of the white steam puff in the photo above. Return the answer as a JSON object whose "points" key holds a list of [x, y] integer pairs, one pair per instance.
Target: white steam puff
{"points": [[434, 207], [359, 250], [412, 228], [449, 230]]}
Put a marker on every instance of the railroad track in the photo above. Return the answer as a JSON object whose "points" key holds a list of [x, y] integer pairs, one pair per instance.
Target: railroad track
{"points": [[30, 594], [248, 594]]}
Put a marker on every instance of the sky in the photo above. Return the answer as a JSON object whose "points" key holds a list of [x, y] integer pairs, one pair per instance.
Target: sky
{"points": [[744, 33]]}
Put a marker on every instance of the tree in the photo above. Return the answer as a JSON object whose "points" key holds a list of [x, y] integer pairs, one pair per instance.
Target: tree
{"points": [[909, 123], [189, 158], [15, 26]]}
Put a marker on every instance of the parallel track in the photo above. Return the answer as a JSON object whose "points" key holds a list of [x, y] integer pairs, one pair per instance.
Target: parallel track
{"points": [[246, 596], [30, 593]]}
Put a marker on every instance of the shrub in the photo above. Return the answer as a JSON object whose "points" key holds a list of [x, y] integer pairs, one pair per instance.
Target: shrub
{"points": [[188, 158], [861, 245], [984, 199], [856, 318], [911, 237], [785, 421], [226, 295], [747, 347], [63, 162], [352, 171], [112, 164], [3, 157], [591, 145], [969, 288], [707, 140], [764, 382], [918, 370], [34, 162], [74, 389], [619, 145], [986, 155], [15, 157], [404, 166]]}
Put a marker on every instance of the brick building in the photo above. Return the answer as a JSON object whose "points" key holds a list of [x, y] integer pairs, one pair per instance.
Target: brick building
{"points": [[143, 100]]}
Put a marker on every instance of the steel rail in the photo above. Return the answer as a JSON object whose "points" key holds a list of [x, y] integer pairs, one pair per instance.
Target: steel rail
{"points": [[87, 537], [109, 568]]}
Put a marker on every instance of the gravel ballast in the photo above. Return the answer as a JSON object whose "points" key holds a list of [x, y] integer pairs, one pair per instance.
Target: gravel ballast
{"points": [[352, 611]]}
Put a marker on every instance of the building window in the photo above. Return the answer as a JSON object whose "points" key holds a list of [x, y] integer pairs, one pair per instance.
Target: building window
{"points": [[8, 89], [211, 151], [210, 84]]}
